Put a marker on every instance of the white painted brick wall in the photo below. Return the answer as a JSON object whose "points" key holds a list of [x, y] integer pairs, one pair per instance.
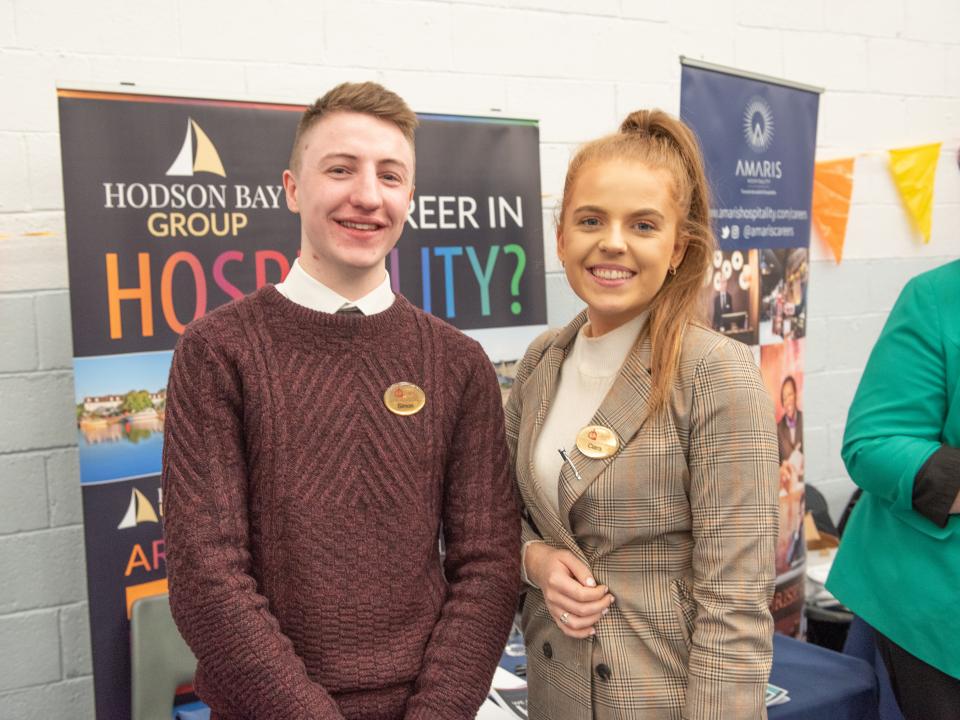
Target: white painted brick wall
{"points": [[54, 341], [6, 23], [14, 191], [788, 14], [42, 569], [172, 74], [29, 78], [18, 344], [67, 700], [553, 99], [31, 644], [892, 73], [760, 49], [868, 18], [826, 59], [854, 121], [23, 489], [931, 20], [907, 67], [37, 410], [75, 640], [365, 34], [441, 92]]}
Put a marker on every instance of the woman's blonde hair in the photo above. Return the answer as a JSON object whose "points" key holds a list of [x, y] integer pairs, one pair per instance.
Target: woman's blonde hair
{"points": [[661, 141]]}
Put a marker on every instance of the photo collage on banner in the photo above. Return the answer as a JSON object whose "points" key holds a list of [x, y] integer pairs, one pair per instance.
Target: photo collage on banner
{"points": [[175, 206], [758, 137]]}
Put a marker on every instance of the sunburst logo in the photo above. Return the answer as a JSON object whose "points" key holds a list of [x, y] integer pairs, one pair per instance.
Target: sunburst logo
{"points": [[201, 156], [758, 124]]}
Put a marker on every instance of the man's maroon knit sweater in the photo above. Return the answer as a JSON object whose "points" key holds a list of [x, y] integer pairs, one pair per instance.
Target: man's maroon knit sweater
{"points": [[302, 516]]}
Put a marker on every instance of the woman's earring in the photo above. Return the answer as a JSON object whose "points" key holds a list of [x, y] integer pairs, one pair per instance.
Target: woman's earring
{"points": [[673, 270]]}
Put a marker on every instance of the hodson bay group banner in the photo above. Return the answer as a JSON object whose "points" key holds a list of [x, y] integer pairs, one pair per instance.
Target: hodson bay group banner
{"points": [[175, 206], [758, 138]]}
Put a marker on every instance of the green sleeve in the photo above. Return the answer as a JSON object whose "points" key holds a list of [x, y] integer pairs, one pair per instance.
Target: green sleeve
{"points": [[897, 417]]}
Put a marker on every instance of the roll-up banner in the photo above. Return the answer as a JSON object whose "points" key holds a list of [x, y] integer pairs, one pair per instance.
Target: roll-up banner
{"points": [[174, 206], [759, 137]]}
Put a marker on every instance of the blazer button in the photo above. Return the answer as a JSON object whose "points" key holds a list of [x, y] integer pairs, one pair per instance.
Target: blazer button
{"points": [[547, 651], [603, 672]]}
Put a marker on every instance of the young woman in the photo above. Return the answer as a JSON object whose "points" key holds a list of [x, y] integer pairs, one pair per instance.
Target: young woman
{"points": [[649, 540]]}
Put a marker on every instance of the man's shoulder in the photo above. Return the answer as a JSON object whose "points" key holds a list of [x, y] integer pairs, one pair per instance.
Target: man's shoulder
{"points": [[225, 322], [452, 339]]}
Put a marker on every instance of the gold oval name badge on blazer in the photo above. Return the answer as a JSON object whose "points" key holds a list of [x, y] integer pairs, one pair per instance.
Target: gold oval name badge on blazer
{"points": [[596, 441], [404, 398]]}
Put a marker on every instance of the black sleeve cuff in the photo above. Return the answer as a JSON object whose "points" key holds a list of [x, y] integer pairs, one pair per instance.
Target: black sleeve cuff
{"points": [[937, 484]]}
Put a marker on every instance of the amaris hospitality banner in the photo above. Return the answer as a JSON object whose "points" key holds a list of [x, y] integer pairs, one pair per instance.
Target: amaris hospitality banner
{"points": [[175, 206], [758, 137], [758, 140]]}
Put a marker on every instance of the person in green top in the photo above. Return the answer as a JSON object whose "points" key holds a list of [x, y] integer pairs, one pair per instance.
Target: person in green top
{"points": [[898, 566]]}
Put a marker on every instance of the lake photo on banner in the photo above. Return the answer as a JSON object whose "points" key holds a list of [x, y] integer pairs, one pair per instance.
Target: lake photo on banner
{"points": [[120, 404]]}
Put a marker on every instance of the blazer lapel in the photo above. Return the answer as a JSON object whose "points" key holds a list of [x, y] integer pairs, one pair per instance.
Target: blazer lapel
{"points": [[623, 410], [537, 394]]}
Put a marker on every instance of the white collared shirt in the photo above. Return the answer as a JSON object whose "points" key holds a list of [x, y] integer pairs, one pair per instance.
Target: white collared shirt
{"points": [[303, 289]]}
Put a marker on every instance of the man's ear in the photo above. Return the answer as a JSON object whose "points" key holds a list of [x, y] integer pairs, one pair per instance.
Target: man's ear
{"points": [[290, 189], [410, 206]]}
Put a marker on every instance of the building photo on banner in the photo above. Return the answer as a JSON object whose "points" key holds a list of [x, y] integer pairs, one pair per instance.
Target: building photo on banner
{"points": [[144, 189]]}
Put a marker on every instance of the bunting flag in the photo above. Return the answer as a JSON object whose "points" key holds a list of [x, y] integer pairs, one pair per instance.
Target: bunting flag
{"points": [[913, 171], [832, 188]]}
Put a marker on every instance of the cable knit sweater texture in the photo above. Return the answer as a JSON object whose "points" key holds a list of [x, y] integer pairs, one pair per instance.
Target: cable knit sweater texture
{"points": [[302, 516]]}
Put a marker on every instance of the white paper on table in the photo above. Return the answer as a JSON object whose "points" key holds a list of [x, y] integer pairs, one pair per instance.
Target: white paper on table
{"points": [[818, 573], [506, 680], [491, 711], [776, 695], [819, 563]]}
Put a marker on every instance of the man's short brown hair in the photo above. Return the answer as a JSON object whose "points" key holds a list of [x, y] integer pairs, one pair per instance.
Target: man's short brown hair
{"points": [[368, 98]]}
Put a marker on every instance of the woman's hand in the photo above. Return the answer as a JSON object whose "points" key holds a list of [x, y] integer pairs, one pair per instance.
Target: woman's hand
{"points": [[574, 599]]}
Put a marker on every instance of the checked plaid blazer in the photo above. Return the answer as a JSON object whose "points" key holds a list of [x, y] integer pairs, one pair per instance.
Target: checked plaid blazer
{"points": [[680, 523]]}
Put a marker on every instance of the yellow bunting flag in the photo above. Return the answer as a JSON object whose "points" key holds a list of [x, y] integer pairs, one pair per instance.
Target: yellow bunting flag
{"points": [[832, 188], [913, 171]]}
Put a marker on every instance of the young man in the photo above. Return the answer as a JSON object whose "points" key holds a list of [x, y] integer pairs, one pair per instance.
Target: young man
{"points": [[319, 435]]}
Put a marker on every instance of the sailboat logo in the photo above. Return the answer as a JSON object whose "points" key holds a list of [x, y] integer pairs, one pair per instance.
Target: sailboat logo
{"points": [[140, 510], [205, 159]]}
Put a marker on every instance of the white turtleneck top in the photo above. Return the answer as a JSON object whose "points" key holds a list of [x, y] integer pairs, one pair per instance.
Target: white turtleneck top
{"points": [[586, 376]]}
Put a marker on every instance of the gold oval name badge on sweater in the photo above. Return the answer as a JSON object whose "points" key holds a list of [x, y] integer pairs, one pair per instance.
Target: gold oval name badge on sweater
{"points": [[404, 398], [596, 441]]}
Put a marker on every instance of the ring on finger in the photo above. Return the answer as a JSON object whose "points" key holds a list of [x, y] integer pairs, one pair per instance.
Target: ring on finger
{"points": [[565, 618]]}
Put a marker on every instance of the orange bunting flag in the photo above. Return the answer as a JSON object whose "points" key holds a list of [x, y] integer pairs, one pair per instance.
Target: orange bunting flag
{"points": [[832, 188], [913, 171]]}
